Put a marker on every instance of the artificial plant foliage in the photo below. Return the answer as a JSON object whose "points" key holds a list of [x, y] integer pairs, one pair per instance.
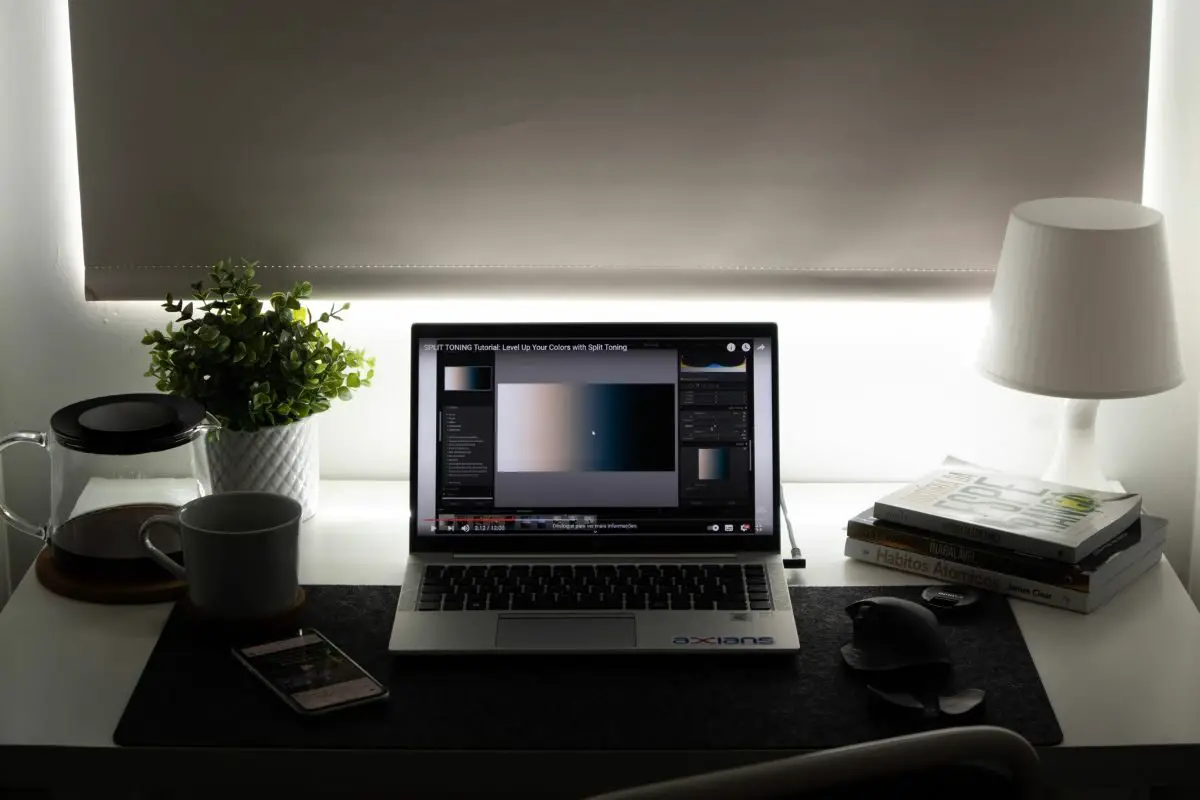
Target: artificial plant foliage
{"points": [[253, 364]]}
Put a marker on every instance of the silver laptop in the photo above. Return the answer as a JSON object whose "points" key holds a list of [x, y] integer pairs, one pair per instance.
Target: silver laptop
{"points": [[594, 489]]}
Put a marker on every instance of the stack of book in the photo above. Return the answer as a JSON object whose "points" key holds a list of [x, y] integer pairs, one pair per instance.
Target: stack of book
{"points": [[1052, 544]]}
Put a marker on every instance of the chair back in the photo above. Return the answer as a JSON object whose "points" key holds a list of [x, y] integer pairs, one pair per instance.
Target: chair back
{"points": [[980, 762]]}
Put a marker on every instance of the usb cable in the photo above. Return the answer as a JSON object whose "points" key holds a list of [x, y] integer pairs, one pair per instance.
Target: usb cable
{"points": [[797, 561]]}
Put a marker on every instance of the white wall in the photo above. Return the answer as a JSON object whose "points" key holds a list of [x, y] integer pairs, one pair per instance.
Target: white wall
{"points": [[5, 579], [1173, 171], [871, 390], [39, 322]]}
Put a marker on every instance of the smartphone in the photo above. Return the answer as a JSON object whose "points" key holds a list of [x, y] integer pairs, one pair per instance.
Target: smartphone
{"points": [[310, 674]]}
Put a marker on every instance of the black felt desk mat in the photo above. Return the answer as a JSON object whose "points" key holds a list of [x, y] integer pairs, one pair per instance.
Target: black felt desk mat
{"points": [[194, 694]]}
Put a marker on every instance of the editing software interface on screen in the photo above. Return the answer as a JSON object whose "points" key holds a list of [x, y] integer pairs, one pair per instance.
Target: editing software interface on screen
{"points": [[608, 437]]}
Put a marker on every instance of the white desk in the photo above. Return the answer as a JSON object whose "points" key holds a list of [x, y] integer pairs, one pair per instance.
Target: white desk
{"points": [[1124, 681]]}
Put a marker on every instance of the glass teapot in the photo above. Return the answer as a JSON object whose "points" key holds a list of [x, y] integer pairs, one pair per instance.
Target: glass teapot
{"points": [[114, 462]]}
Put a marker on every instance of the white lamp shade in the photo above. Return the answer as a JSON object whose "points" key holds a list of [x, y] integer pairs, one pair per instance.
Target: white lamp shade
{"points": [[1081, 305]]}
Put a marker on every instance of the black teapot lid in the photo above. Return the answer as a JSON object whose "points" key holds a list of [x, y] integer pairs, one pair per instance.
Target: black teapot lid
{"points": [[127, 424]]}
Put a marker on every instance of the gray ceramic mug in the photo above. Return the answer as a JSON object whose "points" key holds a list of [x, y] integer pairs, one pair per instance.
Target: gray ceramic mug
{"points": [[241, 550]]}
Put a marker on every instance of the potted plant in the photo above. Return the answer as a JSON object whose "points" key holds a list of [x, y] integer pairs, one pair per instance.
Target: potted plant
{"points": [[265, 370]]}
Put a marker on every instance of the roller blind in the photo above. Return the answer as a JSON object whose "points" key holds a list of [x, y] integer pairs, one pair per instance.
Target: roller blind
{"points": [[374, 145]]}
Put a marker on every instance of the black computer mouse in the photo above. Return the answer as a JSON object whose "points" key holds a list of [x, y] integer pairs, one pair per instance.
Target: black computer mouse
{"points": [[892, 635]]}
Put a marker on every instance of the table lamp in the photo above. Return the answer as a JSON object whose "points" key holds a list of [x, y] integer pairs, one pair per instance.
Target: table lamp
{"points": [[1081, 309]]}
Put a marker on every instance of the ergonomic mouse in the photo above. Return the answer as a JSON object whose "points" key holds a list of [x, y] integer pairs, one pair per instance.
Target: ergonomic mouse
{"points": [[891, 634]]}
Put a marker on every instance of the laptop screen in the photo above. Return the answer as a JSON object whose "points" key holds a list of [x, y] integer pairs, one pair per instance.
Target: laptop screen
{"points": [[602, 431]]}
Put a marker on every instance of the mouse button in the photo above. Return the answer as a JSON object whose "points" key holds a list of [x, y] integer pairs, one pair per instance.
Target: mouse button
{"points": [[866, 658], [860, 609], [868, 623], [915, 611], [925, 640], [903, 642]]}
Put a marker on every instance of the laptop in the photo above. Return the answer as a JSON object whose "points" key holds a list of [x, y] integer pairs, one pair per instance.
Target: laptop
{"points": [[594, 488]]}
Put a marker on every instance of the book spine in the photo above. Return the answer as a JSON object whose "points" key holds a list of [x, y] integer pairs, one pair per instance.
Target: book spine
{"points": [[1054, 573], [948, 572], [977, 533]]}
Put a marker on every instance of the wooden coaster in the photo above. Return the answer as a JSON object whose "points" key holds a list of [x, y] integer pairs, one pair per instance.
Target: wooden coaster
{"points": [[235, 625], [106, 591]]}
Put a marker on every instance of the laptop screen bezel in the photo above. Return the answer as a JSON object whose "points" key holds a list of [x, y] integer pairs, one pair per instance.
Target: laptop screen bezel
{"points": [[576, 543]]}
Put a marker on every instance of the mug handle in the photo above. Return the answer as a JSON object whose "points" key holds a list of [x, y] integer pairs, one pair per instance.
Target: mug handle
{"points": [[18, 522], [163, 560]]}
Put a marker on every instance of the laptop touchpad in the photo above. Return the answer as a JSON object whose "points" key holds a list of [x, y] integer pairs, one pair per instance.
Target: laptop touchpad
{"points": [[566, 633]]}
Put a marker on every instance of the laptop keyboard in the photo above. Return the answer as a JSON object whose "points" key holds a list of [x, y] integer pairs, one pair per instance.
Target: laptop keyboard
{"points": [[594, 587]]}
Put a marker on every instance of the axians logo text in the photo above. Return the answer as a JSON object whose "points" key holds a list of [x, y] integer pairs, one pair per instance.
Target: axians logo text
{"points": [[723, 640]]}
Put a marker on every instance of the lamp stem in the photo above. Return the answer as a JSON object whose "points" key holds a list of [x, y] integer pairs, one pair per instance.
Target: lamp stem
{"points": [[1075, 462]]}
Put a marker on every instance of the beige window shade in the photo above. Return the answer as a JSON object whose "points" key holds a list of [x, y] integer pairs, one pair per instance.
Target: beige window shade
{"points": [[396, 144]]}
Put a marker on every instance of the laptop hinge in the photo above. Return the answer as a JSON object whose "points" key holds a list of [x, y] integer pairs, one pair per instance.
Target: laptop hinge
{"points": [[591, 556]]}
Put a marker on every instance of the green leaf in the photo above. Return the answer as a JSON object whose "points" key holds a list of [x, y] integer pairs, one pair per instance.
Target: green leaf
{"points": [[252, 363]]}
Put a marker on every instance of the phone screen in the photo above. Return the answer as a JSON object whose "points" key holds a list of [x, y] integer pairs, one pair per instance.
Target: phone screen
{"points": [[311, 673]]}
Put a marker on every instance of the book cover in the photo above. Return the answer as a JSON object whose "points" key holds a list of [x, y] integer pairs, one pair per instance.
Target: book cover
{"points": [[1065, 523], [940, 571], [1094, 570]]}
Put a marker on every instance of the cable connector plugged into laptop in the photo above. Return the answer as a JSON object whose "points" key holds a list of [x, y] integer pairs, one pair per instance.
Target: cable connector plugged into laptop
{"points": [[797, 561]]}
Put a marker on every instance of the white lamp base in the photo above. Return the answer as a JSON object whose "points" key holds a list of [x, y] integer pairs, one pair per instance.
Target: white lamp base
{"points": [[1075, 462]]}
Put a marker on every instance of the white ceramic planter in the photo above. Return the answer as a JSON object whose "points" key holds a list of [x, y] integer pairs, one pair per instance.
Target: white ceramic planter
{"points": [[283, 460]]}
